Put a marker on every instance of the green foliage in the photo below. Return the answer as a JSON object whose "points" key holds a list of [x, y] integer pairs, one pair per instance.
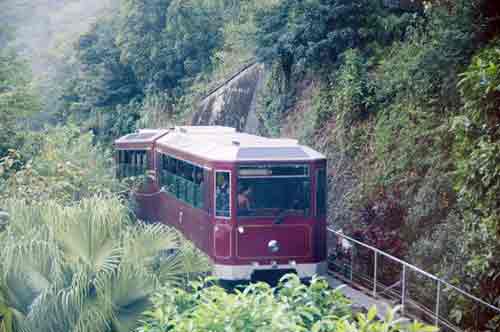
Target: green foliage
{"points": [[106, 82], [58, 164], [348, 98], [95, 93], [400, 75], [408, 143], [414, 94], [476, 154], [274, 102], [424, 68], [150, 52], [157, 110], [18, 101], [239, 37], [383, 118], [83, 267], [480, 84], [312, 33], [291, 307], [167, 41]]}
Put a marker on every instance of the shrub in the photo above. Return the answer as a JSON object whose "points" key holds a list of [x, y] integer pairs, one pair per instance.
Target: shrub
{"points": [[60, 164], [348, 98], [258, 307], [274, 102], [476, 154]]}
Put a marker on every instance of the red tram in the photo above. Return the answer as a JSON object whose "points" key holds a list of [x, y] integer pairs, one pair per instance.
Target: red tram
{"points": [[254, 205]]}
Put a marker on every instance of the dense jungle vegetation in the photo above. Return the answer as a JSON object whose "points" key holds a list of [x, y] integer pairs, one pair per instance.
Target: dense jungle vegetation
{"points": [[404, 103]]}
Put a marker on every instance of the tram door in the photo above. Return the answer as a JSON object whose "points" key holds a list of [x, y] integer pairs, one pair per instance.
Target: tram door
{"points": [[204, 225]]}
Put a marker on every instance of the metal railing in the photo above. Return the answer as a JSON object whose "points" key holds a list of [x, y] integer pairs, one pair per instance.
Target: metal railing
{"points": [[421, 295]]}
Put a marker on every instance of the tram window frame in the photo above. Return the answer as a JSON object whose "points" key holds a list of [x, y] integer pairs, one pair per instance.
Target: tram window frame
{"points": [[321, 192], [217, 215], [185, 187], [134, 159], [249, 176]]}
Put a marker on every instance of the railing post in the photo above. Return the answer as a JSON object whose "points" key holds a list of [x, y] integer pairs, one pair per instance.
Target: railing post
{"points": [[374, 274], [352, 259], [403, 290], [438, 297], [476, 319]]}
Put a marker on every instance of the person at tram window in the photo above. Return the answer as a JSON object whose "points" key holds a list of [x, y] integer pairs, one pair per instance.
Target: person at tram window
{"points": [[198, 178], [222, 194], [244, 198]]}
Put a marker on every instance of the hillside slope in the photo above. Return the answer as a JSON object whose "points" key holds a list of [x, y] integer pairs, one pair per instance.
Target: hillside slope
{"points": [[406, 107], [405, 104]]}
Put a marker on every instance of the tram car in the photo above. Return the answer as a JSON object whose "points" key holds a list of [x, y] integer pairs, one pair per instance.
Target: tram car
{"points": [[256, 206]]}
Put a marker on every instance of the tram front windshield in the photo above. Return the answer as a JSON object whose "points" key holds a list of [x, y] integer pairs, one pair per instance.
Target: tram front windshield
{"points": [[266, 191]]}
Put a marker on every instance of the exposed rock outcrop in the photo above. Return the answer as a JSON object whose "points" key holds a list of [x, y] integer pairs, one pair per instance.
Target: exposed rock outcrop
{"points": [[233, 103]]}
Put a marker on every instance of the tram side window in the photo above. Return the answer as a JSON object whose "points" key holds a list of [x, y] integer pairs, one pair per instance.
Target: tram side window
{"points": [[183, 180], [131, 163], [321, 195], [222, 197]]}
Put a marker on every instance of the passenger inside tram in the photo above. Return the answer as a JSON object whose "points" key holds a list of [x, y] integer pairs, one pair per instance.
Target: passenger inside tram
{"points": [[275, 190], [198, 177], [222, 195], [244, 197]]}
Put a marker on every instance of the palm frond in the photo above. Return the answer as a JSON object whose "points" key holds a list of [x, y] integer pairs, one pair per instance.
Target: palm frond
{"points": [[144, 242], [10, 307], [25, 220], [129, 294], [193, 260], [38, 257], [93, 316], [88, 234], [75, 294], [84, 267], [132, 283]]}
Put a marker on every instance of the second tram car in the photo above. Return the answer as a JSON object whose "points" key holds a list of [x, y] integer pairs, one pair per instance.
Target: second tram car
{"points": [[254, 205]]}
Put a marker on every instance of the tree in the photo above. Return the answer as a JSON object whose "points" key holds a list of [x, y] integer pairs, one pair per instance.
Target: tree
{"points": [[101, 83], [18, 101], [168, 41], [312, 33], [104, 80]]}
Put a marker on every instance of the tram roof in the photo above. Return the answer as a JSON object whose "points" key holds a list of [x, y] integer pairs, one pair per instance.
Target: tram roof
{"points": [[225, 144], [142, 136]]}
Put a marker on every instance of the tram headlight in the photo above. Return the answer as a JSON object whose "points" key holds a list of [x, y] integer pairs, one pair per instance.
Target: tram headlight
{"points": [[273, 246]]}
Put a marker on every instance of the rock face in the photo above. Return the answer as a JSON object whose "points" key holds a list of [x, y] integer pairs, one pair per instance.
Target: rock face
{"points": [[234, 102]]}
